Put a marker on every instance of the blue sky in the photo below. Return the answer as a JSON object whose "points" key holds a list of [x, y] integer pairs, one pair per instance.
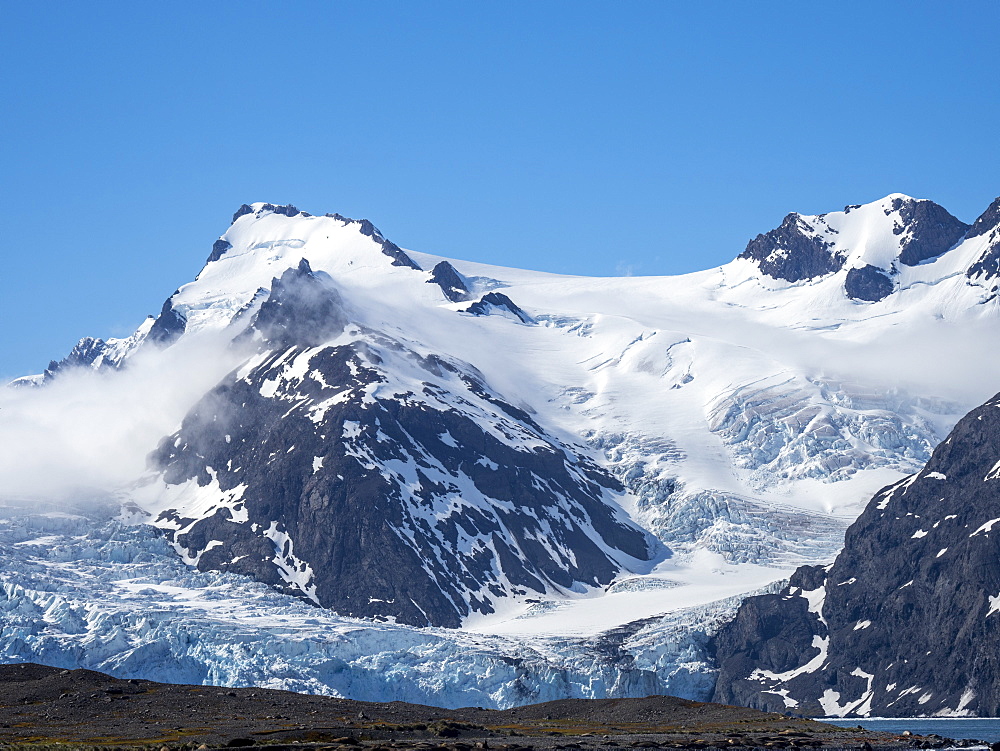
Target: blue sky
{"points": [[576, 137]]}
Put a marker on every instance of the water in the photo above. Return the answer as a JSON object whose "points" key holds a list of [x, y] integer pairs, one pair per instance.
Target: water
{"points": [[980, 728]]}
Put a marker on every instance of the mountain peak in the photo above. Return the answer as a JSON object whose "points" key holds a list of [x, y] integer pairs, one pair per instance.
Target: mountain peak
{"points": [[926, 229], [793, 251], [303, 309], [868, 241], [450, 281], [987, 265], [988, 221], [259, 209], [366, 228]]}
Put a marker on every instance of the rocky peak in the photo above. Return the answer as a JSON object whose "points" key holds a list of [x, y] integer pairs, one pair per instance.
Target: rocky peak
{"points": [[261, 208], [498, 301], [870, 240], [450, 281], [987, 222], [793, 251], [219, 249], [169, 324], [303, 309], [420, 498], [86, 352], [868, 283], [987, 266], [927, 230]]}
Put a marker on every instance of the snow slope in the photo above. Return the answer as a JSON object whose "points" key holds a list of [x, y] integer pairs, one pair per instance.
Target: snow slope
{"points": [[748, 411]]}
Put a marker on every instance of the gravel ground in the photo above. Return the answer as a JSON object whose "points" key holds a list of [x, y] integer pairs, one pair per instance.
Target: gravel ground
{"points": [[41, 705]]}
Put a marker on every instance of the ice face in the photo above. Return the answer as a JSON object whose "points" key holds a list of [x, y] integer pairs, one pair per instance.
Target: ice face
{"points": [[109, 596]]}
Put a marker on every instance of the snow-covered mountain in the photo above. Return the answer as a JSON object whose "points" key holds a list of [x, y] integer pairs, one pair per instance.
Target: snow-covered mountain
{"points": [[379, 480], [432, 441]]}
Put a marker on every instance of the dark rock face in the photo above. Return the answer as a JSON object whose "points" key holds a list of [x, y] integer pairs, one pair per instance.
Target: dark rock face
{"points": [[495, 300], [867, 283], [399, 258], [988, 221], [928, 229], [450, 281], [242, 211], [219, 249], [403, 507], [381, 482], [86, 352], [169, 325], [302, 308], [772, 632], [793, 252], [987, 266], [907, 620], [287, 210]]}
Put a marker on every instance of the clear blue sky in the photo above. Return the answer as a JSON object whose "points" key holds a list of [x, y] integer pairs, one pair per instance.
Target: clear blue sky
{"points": [[577, 137]]}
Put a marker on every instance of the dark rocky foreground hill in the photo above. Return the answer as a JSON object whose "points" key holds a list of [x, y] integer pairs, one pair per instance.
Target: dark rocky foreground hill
{"points": [[906, 621], [44, 705]]}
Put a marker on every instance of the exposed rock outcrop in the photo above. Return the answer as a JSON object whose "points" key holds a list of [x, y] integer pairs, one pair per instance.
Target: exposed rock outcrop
{"points": [[907, 620]]}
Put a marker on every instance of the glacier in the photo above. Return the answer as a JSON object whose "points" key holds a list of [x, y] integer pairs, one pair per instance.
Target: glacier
{"points": [[85, 590]]}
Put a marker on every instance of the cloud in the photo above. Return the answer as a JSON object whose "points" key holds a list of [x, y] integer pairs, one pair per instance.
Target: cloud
{"points": [[623, 268], [86, 434]]}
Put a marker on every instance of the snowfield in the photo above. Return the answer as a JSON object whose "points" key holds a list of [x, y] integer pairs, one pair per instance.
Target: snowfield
{"points": [[748, 418]]}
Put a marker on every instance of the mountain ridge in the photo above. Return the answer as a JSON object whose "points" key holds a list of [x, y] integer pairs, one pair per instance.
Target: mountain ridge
{"points": [[927, 229], [622, 452]]}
